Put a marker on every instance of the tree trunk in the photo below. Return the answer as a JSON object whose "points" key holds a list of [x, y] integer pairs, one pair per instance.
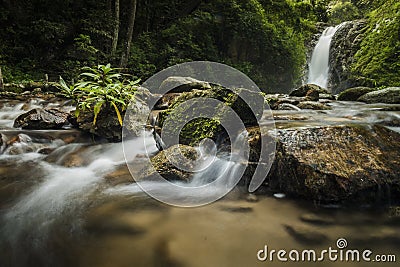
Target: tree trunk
{"points": [[116, 28], [125, 55], [1, 81]]}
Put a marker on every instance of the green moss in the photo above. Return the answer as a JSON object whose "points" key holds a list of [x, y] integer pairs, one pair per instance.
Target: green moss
{"points": [[379, 56]]}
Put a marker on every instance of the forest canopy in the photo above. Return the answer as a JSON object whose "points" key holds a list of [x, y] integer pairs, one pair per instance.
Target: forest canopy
{"points": [[266, 39]]}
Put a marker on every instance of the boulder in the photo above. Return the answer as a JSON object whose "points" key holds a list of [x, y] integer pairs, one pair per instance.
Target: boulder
{"points": [[344, 45], [312, 95], [175, 84], [162, 166], [42, 119], [337, 163], [313, 105], [389, 95], [107, 125], [353, 94], [306, 88], [202, 127], [166, 101]]}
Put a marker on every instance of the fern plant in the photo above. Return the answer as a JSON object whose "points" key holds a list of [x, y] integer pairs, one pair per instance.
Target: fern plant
{"points": [[101, 86]]}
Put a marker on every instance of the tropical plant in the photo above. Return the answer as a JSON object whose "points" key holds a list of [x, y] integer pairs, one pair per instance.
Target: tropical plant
{"points": [[100, 86]]}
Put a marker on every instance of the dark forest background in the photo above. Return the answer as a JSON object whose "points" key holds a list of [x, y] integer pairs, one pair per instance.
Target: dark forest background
{"points": [[266, 39]]}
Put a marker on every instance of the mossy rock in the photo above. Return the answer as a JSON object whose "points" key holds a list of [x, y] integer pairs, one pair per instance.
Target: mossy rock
{"points": [[196, 119], [353, 94], [160, 165], [389, 95], [339, 163]]}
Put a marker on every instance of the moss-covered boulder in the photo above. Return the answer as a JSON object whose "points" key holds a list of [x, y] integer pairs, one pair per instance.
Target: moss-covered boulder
{"points": [[353, 94], [389, 95], [345, 44], [340, 163], [196, 120]]}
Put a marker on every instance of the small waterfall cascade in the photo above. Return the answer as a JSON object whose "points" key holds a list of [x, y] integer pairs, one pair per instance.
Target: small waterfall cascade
{"points": [[319, 66]]}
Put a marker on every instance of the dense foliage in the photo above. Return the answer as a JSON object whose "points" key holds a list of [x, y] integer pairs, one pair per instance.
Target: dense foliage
{"points": [[265, 39], [378, 59], [99, 87]]}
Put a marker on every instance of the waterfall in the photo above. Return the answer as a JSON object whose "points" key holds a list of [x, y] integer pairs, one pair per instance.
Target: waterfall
{"points": [[319, 65]]}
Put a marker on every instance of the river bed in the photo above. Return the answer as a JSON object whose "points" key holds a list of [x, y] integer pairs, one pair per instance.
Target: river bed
{"points": [[60, 208]]}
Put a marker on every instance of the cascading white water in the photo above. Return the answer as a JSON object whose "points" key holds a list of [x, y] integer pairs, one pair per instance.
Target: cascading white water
{"points": [[319, 65]]}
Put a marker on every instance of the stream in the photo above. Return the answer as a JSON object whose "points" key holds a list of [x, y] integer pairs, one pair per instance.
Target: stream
{"points": [[62, 205]]}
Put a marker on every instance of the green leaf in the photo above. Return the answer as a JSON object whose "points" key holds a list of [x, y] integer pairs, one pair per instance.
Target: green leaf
{"points": [[96, 110], [118, 113]]}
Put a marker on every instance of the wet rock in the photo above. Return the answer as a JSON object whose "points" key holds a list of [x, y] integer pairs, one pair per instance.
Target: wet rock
{"points": [[312, 95], [290, 117], [107, 125], [175, 84], [119, 176], [136, 118], [160, 165], [304, 89], [41, 119], [340, 163], [304, 235], [344, 45], [353, 94], [326, 96], [313, 105], [207, 123], [389, 95], [166, 101], [287, 106], [46, 150]]}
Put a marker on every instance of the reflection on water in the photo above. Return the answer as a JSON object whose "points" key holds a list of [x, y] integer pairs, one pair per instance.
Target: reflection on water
{"points": [[60, 207]]}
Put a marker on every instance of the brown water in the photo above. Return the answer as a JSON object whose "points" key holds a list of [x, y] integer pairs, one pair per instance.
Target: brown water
{"points": [[62, 210]]}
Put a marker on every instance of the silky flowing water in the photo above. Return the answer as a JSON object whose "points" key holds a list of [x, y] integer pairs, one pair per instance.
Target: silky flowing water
{"points": [[319, 64], [62, 208]]}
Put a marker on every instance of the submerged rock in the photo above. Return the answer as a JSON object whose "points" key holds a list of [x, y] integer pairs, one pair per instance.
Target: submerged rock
{"points": [[42, 119], [313, 105], [306, 235], [353, 94], [337, 163], [389, 95]]}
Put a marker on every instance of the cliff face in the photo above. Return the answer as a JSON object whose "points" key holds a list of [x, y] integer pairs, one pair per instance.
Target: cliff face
{"points": [[344, 46]]}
